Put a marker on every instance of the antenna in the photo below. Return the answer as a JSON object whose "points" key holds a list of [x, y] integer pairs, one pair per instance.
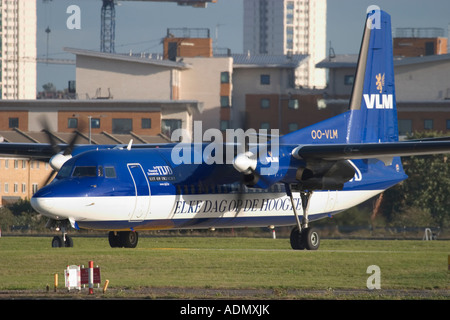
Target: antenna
{"points": [[129, 144]]}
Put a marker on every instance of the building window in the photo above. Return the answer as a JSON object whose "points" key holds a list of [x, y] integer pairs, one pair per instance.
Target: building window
{"points": [[265, 79], [293, 104], [24, 188], [225, 77], [146, 123], [122, 126], [224, 101], [224, 125], [168, 126], [72, 123], [265, 103], [35, 188], [95, 123], [290, 12], [265, 125], [428, 124], [349, 79], [13, 123], [448, 125], [404, 127], [293, 127]]}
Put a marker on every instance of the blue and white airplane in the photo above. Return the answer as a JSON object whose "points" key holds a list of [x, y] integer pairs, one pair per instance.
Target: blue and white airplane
{"points": [[323, 169]]}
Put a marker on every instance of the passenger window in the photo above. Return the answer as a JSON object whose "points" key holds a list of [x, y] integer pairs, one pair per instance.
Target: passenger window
{"points": [[110, 172]]}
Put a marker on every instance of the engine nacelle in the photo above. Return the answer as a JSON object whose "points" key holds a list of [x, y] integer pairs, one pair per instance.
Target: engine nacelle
{"points": [[325, 175], [57, 161]]}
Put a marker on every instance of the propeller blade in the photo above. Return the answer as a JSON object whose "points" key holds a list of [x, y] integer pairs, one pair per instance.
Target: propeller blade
{"points": [[69, 148], [49, 178]]}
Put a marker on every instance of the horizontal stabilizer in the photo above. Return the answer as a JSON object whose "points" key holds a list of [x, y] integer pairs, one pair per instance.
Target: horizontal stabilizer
{"points": [[379, 151]]}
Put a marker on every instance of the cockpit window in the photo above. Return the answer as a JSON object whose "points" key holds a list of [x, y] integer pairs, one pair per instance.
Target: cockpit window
{"points": [[65, 172], [84, 172], [110, 172]]}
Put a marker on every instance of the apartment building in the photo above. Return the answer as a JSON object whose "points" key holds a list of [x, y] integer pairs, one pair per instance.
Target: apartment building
{"points": [[18, 49], [287, 27]]}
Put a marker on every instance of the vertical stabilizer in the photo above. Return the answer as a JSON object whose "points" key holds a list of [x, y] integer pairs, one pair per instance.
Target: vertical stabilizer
{"points": [[373, 111]]}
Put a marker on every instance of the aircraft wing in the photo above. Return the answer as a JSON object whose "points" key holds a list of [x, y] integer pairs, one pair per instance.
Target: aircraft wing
{"points": [[41, 151], [381, 151], [44, 151]]}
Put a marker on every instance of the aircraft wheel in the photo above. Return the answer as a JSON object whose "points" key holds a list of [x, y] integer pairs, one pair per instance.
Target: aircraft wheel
{"points": [[296, 240], [128, 239], [69, 242], [311, 238], [114, 239], [57, 242]]}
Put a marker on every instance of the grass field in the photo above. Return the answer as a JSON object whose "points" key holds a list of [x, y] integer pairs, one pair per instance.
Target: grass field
{"points": [[207, 265]]}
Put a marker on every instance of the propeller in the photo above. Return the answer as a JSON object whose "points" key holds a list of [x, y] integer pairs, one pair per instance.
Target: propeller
{"points": [[246, 163], [61, 155]]}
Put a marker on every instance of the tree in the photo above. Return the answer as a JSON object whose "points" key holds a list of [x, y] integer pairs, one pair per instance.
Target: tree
{"points": [[426, 191], [49, 87]]}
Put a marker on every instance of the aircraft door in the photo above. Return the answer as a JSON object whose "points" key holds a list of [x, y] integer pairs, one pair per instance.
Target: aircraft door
{"points": [[142, 192]]}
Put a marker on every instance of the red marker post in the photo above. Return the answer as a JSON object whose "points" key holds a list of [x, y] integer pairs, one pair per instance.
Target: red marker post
{"points": [[91, 277]]}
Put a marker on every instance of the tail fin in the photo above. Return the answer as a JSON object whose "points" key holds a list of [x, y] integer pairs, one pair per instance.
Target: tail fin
{"points": [[373, 111]]}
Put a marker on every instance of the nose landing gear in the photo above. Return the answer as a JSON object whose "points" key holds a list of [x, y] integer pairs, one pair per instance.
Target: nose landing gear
{"points": [[64, 240]]}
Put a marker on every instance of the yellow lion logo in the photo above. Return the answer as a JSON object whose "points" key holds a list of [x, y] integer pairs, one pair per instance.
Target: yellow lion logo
{"points": [[380, 82]]}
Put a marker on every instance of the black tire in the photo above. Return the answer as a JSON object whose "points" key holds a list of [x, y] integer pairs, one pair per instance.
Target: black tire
{"points": [[57, 242], [129, 239], [114, 239], [69, 242], [296, 240], [311, 238]]}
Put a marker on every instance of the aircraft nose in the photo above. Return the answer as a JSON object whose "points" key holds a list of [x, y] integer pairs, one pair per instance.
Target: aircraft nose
{"points": [[44, 206]]}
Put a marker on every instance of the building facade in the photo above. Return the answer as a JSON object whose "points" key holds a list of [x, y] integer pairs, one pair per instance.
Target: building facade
{"points": [[286, 27], [20, 178], [18, 49]]}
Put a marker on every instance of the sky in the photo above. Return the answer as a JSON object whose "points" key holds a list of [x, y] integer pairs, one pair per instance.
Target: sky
{"points": [[140, 26]]}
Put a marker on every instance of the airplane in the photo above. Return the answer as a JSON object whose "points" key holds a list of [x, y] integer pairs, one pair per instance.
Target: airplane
{"points": [[322, 170]]}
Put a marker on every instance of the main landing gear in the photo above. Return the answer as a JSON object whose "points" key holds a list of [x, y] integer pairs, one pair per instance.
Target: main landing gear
{"points": [[302, 236], [123, 239]]}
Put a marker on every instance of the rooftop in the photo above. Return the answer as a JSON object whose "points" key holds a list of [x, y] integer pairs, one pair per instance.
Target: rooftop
{"points": [[144, 58], [271, 61], [18, 136], [351, 60]]}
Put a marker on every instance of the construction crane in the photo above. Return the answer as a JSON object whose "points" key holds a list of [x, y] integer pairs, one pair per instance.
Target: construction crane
{"points": [[108, 19]]}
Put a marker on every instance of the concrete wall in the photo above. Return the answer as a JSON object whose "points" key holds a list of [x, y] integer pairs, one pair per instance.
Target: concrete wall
{"points": [[423, 81], [202, 82], [122, 79]]}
